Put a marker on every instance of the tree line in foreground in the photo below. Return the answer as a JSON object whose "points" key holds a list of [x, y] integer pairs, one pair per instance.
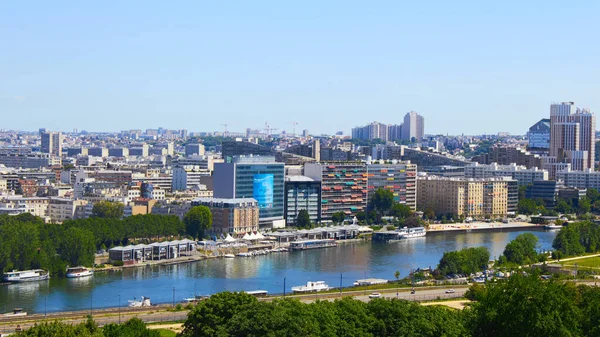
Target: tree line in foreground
{"points": [[519, 306]]}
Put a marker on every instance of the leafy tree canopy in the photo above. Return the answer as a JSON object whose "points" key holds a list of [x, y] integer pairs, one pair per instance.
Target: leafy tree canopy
{"points": [[197, 220], [107, 209]]}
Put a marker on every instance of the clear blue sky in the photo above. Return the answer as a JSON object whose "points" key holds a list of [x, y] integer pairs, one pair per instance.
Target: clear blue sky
{"points": [[466, 66]]}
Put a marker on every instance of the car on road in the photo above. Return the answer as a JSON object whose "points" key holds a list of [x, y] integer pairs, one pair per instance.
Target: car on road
{"points": [[450, 291], [375, 295]]}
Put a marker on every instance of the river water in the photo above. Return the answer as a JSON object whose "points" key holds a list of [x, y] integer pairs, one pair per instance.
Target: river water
{"points": [[162, 284]]}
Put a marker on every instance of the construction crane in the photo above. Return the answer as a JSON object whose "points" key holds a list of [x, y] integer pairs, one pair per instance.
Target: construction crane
{"points": [[225, 133], [269, 130], [294, 130]]}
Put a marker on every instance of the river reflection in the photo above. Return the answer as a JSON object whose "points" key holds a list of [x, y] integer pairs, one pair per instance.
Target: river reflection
{"points": [[353, 261]]}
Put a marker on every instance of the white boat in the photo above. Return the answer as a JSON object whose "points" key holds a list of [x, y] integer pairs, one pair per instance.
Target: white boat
{"points": [[15, 313], [416, 232], [244, 254], [194, 299], [143, 302], [26, 276], [311, 287], [75, 272], [553, 226], [228, 256]]}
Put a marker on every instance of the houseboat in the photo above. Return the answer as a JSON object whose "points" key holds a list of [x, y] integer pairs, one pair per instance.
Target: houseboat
{"points": [[312, 244], [75, 272], [416, 232], [311, 287], [26, 276]]}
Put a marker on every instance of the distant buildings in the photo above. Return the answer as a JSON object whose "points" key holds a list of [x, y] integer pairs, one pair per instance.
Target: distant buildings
{"points": [[475, 198], [374, 130], [521, 174], [505, 155], [29, 160], [587, 178], [538, 136], [194, 149], [413, 128], [184, 177], [238, 147], [257, 177], [572, 135], [52, 143]]}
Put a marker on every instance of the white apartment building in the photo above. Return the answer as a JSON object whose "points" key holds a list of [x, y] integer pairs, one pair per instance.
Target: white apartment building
{"points": [[61, 209], [156, 178], [135, 192], [519, 173], [185, 177], [35, 205], [587, 178]]}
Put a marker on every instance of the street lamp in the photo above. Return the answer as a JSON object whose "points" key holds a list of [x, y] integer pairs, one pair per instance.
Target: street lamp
{"points": [[173, 297], [119, 308], [284, 287]]}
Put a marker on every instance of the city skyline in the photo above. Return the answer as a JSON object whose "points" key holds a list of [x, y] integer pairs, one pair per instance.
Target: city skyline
{"points": [[468, 69]]}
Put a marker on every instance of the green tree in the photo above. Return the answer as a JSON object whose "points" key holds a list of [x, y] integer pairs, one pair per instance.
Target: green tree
{"points": [[584, 206], [577, 238], [562, 207], [211, 317], [381, 201], [107, 209], [401, 211], [464, 261], [592, 194], [303, 219], [338, 217], [527, 206], [429, 213], [197, 220], [522, 190], [521, 250], [134, 327], [526, 306], [78, 247]]}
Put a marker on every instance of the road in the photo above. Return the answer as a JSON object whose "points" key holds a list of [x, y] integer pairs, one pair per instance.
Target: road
{"points": [[161, 314]]}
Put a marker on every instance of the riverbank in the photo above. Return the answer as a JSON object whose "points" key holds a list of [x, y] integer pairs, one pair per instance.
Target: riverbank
{"points": [[476, 226]]}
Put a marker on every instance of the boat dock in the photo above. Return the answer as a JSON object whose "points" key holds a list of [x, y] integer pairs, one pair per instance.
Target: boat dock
{"points": [[480, 226], [370, 282]]}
